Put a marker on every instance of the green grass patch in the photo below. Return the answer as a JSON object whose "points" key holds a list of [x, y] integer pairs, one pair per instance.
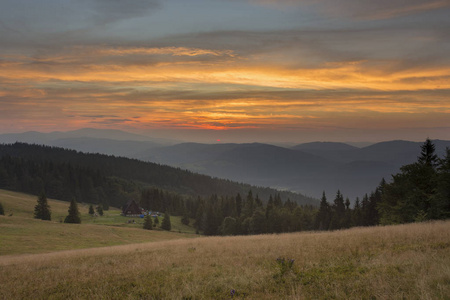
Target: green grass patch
{"points": [[20, 233]]}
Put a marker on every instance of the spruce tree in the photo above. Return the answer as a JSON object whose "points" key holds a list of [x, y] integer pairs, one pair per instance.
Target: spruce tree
{"points": [[210, 221], [165, 224], [269, 215], [100, 210], [324, 214], [156, 221], [338, 212], [2, 211], [427, 154], [356, 216], [412, 195], [42, 209], [91, 210], [185, 219], [441, 201], [238, 204], [258, 222], [148, 223], [228, 226], [74, 214]]}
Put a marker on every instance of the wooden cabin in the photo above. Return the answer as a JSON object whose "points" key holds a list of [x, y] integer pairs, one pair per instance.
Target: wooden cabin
{"points": [[131, 209]]}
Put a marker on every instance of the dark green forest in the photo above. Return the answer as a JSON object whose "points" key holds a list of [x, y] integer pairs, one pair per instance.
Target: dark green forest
{"points": [[421, 191], [102, 179]]}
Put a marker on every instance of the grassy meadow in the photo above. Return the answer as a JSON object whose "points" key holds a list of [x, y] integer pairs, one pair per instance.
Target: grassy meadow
{"points": [[392, 262], [20, 233]]}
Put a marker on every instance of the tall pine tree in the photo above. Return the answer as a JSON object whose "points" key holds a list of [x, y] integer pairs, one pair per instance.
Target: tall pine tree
{"points": [[324, 214], [148, 222], [411, 196], [74, 214], [441, 200], [42, 209], [165, 224], [91, 210]]}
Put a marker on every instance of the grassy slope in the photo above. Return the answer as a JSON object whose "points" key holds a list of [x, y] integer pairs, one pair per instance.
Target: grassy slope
{"points": [[20, 233], [396, 262], [393, 262]]}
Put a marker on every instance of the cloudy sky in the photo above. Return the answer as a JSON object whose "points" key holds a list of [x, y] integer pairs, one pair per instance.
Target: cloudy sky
{"points": [[234, 70]]}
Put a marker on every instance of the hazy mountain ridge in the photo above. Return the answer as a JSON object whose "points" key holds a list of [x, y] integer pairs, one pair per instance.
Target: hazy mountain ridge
{"points": [[30, 168], [308, 168], [111, 134]]}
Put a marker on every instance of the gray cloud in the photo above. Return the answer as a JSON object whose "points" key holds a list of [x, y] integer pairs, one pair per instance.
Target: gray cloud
{"points": [[397, 46], [363, 9], [113, 10]]}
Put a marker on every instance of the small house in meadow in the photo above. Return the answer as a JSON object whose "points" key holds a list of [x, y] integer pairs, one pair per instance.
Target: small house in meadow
{"points": [[131, 209]]}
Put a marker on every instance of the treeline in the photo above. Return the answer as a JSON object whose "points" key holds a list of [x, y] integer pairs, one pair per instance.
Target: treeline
{"points": [[96, 178], [339, 214], [421, 191], [234, 215], [242, 215], [64, 181]]}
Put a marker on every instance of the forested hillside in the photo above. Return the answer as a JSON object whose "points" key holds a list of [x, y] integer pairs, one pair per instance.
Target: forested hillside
{"points": [[421, 191], [96, 178]]}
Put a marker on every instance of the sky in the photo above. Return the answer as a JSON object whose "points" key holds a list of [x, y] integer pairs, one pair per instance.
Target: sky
{"points": [[228, 70]]}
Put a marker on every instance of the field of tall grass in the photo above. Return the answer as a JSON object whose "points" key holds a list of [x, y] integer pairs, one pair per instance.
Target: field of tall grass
{"points": [[393, 262]]}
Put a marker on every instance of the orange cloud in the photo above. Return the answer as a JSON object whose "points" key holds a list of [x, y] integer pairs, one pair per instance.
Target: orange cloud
{"points": [[225, 92]]}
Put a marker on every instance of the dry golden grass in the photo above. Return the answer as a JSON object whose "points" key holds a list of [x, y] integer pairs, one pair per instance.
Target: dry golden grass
{"points": [[393, 262]]}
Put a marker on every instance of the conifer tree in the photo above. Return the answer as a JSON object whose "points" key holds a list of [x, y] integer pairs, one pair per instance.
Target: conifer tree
{"points": [[228, 226], [185, 219], [210, 221], [156, 221], [148, 223], [100, 210], [42, 209], [411, 196], [269, 215], [74, 214], [2, 211], [338, 212], [249, 206], [91, 210], [165, 224], [323, 216], [238, 204], [427, 155], [441, 201], [199, 214], [277, 202], [356, 216], [347, 222], [258, 222]]}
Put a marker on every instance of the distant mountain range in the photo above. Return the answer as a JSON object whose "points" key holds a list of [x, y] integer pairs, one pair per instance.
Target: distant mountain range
{"points": [[90, 140], [309, 168], [306, 168]]}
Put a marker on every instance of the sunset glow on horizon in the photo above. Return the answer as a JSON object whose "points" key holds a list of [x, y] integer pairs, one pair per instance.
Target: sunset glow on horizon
{"points": [[256, 70]]}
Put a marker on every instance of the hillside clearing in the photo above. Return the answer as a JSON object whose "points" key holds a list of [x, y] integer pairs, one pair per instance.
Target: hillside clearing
{"points": [[21, 234]]}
